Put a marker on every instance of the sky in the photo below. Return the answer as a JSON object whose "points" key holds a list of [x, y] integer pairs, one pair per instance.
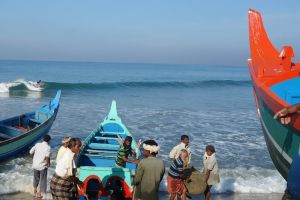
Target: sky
{"points": [[141, 31]]}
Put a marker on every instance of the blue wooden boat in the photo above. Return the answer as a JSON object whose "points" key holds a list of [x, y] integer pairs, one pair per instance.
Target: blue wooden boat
{"points": [[96, 160], [19, 133]]}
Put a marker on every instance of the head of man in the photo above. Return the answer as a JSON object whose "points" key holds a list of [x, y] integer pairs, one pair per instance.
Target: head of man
{"points": [[47, 138], [127, 142], [74, 145], [151, 148], [66, 141], [185, 139], [210, 149]]}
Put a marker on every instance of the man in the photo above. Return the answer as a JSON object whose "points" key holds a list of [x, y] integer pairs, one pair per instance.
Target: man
{"points": [[123, 153], [149, 173], [175, 183], [286, 113], [40, 164], [63, 148], [64, 183], [175, 152]]}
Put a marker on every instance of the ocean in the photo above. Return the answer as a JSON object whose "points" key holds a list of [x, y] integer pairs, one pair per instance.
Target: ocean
{"points": [[212, 104]]}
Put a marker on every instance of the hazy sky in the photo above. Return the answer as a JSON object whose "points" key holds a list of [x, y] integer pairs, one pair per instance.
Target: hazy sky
{"points": [[147, 31]]}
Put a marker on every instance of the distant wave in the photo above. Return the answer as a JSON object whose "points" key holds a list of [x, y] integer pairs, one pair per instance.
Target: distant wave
{"points": [[145, 84], [15, 85], [29, 85]]}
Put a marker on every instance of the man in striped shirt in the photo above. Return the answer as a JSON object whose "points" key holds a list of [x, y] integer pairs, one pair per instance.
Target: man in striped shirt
{"points": [[175, 183], [123, 153], [184, 144]]}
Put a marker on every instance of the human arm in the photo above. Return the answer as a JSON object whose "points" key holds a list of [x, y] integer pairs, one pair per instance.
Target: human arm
{"points": [[286, 113], [48, 161], [32, 150], [173, 152], [47, 157], [207, 173], [136, 161]]}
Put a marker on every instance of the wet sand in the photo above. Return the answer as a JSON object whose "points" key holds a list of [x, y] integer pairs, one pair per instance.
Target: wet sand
{"points": [[164, 196]]}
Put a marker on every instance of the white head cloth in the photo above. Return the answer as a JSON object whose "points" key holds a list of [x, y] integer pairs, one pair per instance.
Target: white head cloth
{"points": [[151, 148]]}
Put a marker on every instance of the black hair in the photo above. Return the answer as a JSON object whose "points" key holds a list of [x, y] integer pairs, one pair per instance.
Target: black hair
{"points": [[73, 142], [128, 138], [151, 142], [184, 136], [210, 148], [47, 138]]}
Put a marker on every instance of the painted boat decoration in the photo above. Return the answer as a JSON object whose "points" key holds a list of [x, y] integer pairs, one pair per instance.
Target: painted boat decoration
{"points": [[276, 84], [96, 160], [19, 133]]}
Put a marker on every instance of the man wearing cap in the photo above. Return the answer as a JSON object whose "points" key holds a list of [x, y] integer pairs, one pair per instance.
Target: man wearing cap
{"points": [[63, 148], [124, 151], [40, 164], [149, 173]]}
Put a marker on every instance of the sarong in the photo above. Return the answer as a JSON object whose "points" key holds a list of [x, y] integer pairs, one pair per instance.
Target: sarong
{"points": [[174, 185], [62, 188]]}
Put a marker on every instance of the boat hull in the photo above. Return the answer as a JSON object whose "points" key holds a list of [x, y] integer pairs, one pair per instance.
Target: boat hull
{"points": [[282, 140], [19, 133], [20, 145]]}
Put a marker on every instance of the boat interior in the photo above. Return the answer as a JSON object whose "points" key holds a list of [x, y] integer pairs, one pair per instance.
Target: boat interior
{"points": [[288, 90], [102, 148], [19, 125]]}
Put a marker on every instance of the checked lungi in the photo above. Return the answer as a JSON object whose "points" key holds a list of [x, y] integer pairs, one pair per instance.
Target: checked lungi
{"points": [[62, 188]]}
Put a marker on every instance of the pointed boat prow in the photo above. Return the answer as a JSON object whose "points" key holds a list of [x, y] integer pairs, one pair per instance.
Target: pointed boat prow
{"points": [[113, 114], [266, 60]]}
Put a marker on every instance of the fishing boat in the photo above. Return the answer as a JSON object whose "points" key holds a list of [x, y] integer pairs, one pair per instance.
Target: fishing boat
{"points": [[96, 160], [19, 133], [276, 83]]}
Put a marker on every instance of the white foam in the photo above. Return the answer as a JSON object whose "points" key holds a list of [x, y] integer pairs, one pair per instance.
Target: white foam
{"points": [[4, 87], [247, 181], [30, 85]]}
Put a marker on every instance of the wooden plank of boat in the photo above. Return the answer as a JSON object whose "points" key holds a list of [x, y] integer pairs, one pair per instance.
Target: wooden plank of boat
{"points": [[21, 132]]}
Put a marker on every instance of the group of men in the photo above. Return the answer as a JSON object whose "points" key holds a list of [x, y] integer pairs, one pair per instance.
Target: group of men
{"points": [[62, 183], [149, 173], [150, 169]]}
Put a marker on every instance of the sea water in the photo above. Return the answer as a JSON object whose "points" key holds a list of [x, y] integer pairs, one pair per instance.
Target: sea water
{"points": [[211, 104]]}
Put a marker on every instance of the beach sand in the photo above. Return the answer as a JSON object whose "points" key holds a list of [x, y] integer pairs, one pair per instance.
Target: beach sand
{"points": [[164, 196]]}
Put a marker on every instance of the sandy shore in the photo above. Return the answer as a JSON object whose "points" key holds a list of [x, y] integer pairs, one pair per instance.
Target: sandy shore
{"points": [[164, 196]]}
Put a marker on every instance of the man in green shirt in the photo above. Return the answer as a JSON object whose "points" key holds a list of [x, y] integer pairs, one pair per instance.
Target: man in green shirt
{"points": [[124, 151]]}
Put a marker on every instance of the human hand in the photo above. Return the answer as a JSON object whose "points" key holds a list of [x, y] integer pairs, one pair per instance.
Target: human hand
{"points": [[139, 144], [285, 114]]}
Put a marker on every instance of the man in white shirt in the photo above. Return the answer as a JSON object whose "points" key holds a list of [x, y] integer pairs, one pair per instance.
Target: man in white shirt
{"points": [[40, 164], [175, 152], [63, 148], [64, 182]]}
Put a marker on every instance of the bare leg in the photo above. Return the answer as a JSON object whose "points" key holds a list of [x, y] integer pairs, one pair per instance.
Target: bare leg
{"points": [[172, 196], [207, 192], [183, 196]]}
